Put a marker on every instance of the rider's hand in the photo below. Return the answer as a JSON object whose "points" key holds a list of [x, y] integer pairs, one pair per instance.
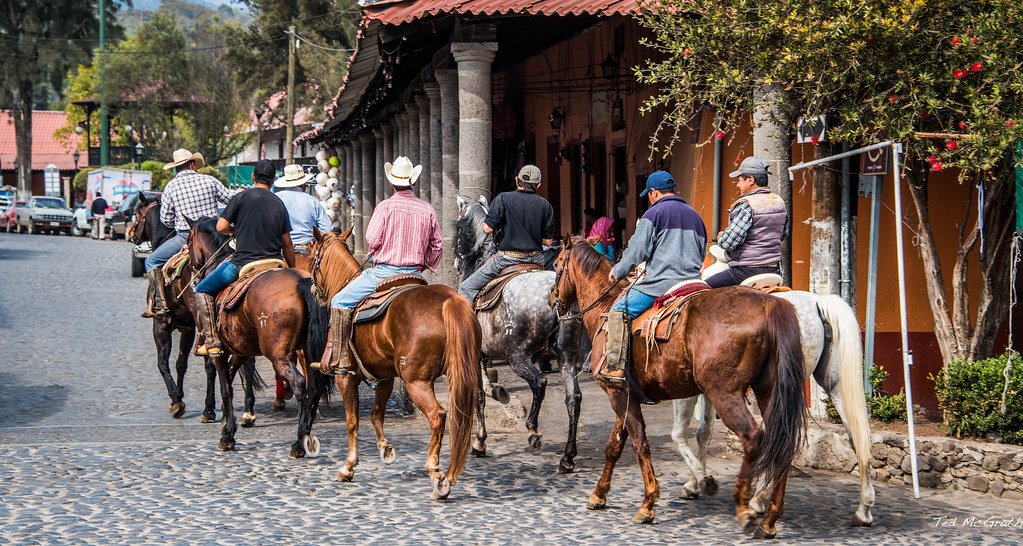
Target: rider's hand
{"points": [[611, 276]]}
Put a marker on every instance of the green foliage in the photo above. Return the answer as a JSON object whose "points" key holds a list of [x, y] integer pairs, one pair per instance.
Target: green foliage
{"points": [[970, 395], [160, 176], [81, 180], [831, 411], [892, 67], [214, 173], [883, 406]]}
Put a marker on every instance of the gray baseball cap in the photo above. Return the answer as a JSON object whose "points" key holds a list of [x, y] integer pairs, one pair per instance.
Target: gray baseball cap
{"points": [[529, 174], [749, 166]]}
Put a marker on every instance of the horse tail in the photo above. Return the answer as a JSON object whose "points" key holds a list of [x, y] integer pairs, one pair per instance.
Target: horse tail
{"points": [[848, 350], [462, 367], [784, 419], [316, 335], [251, 373]]}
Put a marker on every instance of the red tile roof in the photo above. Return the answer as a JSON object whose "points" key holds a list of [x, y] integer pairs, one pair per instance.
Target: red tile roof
{"points": [[396, 12], [46, 148]]}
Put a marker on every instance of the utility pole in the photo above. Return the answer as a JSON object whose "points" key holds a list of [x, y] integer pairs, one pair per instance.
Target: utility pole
{"points": [[104, 118], [289, 133]]}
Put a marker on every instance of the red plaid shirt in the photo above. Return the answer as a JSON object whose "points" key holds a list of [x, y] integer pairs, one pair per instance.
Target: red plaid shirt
{"points": [[191, 195], [403, 230]]}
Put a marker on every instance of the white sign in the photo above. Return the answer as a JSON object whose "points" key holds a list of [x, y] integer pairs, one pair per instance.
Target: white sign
{"points": [[116, 184], [808, 128]]}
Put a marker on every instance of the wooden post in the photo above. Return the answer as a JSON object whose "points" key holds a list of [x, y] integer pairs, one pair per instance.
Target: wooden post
{"points": [[290, 130]]}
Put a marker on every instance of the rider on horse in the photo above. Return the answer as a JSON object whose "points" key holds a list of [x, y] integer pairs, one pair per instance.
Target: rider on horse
{"points": [[757, 221], [670, 238], [526, 223], [188, 195], [259, 223], [403, 237], [303, 209]]}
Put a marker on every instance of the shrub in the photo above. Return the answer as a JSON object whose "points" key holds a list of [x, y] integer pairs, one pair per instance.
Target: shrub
{"points": [[214, 173], [970, 397], [883, 407]]}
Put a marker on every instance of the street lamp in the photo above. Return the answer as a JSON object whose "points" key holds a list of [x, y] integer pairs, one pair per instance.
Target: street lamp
{"points": [[139, 149], [76, 155]]}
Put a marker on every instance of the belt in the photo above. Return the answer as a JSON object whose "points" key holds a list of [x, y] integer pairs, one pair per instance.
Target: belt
{"points": [[518, 253], [775, 264]]}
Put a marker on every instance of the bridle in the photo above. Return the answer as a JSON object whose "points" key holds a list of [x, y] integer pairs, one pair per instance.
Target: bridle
{"points": [[138, 226], [198, 273], [557, 305], [315, 269]]}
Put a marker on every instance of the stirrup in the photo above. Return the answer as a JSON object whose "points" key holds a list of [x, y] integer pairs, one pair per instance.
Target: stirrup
{"points": [[204, 350], [153, 313], [616, 376]]}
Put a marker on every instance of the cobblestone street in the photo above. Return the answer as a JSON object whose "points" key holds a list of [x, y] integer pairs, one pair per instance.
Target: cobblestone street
{"points": [[89, 453]]}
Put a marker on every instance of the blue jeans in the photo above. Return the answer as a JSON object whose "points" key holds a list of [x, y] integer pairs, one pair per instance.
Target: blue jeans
{"points": [[634, 303], [218, 279], [366, 283], [166, 251]]}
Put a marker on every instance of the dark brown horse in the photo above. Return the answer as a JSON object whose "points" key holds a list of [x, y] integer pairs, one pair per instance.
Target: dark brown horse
{"points": [[270, 321], [725, 341], [147, 227], [427, 331]]}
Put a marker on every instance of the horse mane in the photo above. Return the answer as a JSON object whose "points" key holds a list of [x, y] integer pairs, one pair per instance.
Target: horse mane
{"points": [[589, 258], [332, 266], [208, 225]]}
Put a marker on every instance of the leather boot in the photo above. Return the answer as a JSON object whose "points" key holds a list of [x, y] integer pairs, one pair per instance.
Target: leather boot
{"points": [[205, 308], [338, 359], [156, 303], [616, 346]]}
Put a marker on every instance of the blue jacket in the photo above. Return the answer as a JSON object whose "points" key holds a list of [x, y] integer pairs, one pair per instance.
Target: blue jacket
{"points": [[672, 239]]}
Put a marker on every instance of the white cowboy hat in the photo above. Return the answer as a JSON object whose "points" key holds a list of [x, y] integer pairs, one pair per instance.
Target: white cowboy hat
{"points": [[294, 176], [402, 173], [182, 156]]}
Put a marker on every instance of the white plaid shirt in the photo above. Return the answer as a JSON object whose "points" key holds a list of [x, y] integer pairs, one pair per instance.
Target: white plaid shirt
{"points": [[191, 195]]}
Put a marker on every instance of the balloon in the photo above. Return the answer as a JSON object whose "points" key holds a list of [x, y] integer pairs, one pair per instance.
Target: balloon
{"points": [[323, 166], [338, 194], [333, 172], [334, 161], [332, 183], [323, 192], [331, 214], [321, 156], [321, 179], [333, 203]]}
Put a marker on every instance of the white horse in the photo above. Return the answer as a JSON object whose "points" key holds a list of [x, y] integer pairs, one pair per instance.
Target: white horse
{"points": [[833, 353]]}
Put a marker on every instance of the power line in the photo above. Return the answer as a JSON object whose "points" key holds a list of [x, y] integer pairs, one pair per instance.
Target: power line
{"points": [[295, 34]]}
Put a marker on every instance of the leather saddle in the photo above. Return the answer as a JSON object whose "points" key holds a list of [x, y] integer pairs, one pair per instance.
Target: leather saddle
{"points": [[490, 296], [375, 305], [175, 266], [234, 294], [655, 323]]}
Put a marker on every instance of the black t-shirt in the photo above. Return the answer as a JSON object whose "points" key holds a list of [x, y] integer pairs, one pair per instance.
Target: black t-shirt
{"points": [[522, 219], [260, 219], [99, 206]]}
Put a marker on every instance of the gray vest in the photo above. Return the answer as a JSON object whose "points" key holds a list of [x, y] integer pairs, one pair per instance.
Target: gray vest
{"points": [[762, 245]]}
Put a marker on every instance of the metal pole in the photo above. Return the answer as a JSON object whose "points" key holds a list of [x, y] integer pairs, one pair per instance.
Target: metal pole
{"points": [[831, 158], [875, 219], [290, 130], [845, 279], [715, 222], [104, 118], [907, 358]]}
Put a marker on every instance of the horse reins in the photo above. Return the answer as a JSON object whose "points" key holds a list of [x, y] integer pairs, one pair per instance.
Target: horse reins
{"points": [[557, 298], [318, 257]]}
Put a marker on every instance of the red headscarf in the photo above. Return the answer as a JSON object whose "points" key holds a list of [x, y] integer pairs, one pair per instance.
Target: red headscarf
{"points": [[602, 227]]}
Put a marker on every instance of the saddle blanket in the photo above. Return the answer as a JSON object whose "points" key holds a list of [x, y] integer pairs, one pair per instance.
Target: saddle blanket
{"points": [[375, 305], [655, 323], [490, 296], [233, 295], [175, 266]]}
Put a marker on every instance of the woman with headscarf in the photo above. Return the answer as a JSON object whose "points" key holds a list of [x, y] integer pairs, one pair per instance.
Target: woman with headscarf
{"points": [[604, 229]]}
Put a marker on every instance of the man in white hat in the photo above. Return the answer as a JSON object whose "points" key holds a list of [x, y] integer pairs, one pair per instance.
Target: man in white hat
{"points": [[304, 210], [403, 237], [757, 221], [189, 194], [525, 222]]}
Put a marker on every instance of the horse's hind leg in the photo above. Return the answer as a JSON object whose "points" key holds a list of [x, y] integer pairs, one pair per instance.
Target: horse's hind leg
{"points": [[734, 413], [704, 430], [424, 398], [376, 415], [569, 364], [479, 444], [522, 364], [209, 414], [185, 340], [857, 428], [225, 372], [612, 452], [490, 383], [162, 337], [248, 383], [349, 388], [682, 411], [307, 396]]}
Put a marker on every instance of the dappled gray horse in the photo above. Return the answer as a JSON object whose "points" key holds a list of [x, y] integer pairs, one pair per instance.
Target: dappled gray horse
{"points": [[832, 352], [518, 330]]}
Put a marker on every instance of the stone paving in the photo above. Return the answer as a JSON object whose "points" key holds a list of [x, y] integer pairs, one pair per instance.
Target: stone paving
{"points": [[89, 454]]}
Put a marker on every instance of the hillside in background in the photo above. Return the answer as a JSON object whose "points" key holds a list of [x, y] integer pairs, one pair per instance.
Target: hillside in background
{"points": [[186, 13]]}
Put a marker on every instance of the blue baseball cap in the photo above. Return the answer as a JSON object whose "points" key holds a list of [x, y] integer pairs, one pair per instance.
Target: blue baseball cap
{"points": [[659, 180]]}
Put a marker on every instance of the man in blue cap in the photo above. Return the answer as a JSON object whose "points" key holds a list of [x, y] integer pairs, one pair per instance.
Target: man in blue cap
{"points": [[671, 239], [757, 221]]}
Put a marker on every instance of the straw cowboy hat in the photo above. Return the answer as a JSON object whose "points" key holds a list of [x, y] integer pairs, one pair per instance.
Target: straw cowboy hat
{"points": [[182, 156], [402, 173], [294, 176]]}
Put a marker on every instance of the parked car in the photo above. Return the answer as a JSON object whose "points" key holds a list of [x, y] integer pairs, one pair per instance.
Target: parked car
{"points": [[82, 224], [44, 214], [9, 221], [122, 217], [3, 215]]}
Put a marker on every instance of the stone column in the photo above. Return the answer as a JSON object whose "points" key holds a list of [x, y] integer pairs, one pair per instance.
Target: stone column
{"points": [[448, 89], [382, 189], [343, 183], [388, 152], [402, 134], [369, 189], [358, 237], [396, 135], [413, 139], [425, 187], [475, 118]]}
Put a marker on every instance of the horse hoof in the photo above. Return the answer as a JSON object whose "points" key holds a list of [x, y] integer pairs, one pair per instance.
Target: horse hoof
{"points": [[248, 420], [441, 486], [536, 442], [596, 503], [311, 445], [500, 394], [279, 405], [643, 516], [224, 445], [479, 453], [709, 486], [387, 454], [748, 523], [688, 493], [759, 532], [345, 474], [857, 521], [297, 452], [177, 409], [316, 417], [566, 467], [210, 417]]}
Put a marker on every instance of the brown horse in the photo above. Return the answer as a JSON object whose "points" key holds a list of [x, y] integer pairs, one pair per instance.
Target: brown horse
{"points": [[271, 321], [147, 227], [725, 341], [427, 331]]}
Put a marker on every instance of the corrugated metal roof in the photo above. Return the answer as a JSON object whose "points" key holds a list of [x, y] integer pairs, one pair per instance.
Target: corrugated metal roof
{"points": [[396, 12], [46, 148]]}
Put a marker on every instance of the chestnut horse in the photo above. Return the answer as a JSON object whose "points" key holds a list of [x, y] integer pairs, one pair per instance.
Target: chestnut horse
{"points": [[725, 341], [271, 321], [147, 227], [427, 331]]}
